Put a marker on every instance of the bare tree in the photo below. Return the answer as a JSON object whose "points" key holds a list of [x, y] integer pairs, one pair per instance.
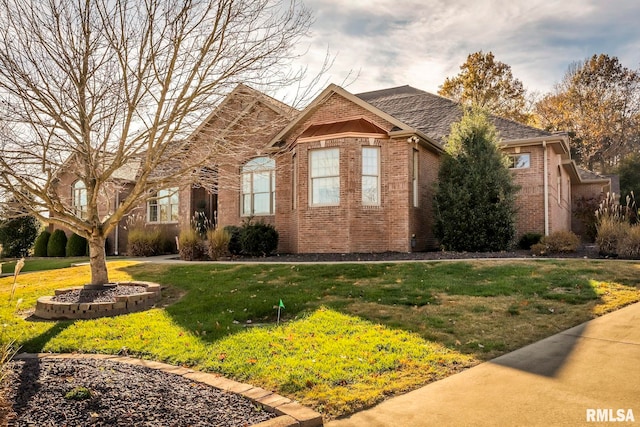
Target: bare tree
{"points": [[106, 88]]}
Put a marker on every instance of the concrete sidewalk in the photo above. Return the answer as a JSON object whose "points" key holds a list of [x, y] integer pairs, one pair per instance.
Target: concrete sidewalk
{"points": [[562, 381]]}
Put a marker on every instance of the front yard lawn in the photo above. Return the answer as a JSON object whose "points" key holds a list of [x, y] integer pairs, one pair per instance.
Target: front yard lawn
{"points": [[352, 333]]}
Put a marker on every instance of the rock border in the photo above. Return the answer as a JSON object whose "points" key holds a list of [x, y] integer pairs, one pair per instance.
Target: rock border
{"points": [[124, 304], [290, 413]]}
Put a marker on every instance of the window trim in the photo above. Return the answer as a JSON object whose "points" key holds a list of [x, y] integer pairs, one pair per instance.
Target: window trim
{"points": [[249, 169], [80, 210], [513, 162], [170, 192], [312, 178], [377, 201]]}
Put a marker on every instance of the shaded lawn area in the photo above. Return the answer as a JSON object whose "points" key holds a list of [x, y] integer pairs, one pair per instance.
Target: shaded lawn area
{"points": [[353, 333]]}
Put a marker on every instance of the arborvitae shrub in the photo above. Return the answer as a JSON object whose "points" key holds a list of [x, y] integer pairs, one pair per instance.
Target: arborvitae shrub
{"points": [[40, 247], [57, 245], [474, 204], [258, 239], [76, 246], [17, 235]]}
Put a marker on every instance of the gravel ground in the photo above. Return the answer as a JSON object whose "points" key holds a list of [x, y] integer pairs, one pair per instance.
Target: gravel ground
{"points": [[106, 295], [121, 395]]}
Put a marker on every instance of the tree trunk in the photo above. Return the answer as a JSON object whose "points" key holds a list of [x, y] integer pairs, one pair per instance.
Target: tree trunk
{"points": [[98, 262]]}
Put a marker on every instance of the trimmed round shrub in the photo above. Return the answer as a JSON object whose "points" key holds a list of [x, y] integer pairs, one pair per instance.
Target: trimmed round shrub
{"points": [[57, 245], [259, 239], [40, 247], [235, 248], [560, 242], [76, 245]]}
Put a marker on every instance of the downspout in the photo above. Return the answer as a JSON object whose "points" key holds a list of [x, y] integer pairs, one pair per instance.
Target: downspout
{"points": [[546, 188], [116, 237]]}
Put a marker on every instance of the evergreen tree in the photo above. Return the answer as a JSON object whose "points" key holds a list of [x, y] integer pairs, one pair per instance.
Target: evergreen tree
{"points": [[474, 202], [17, 235]]}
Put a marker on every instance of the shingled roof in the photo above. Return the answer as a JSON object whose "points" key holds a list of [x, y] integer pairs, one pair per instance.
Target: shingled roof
{"points": [[433, 114]]}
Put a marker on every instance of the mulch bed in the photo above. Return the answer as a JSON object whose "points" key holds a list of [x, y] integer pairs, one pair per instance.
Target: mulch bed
{"points": [[104, 295], [48, 393]]}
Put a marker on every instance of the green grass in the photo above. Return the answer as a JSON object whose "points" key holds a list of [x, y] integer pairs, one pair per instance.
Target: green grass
{"points": [[41, 264], [352, 333]]}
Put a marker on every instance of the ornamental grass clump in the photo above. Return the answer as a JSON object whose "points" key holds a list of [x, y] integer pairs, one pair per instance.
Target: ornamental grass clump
{"points": [[218, 243], [190, 245]]}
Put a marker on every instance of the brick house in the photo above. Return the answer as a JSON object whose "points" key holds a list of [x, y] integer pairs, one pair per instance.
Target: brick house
{"points": [[356, 173]]}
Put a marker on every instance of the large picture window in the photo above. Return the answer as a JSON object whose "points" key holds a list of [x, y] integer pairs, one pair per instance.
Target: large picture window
{"points": [[79, 196], [324, 165], [371, 176], [258, 187], [164, 206]]}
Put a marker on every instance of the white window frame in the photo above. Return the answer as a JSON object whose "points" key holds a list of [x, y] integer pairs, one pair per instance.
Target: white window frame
{"points": [[251, 171], [373, 174], [167, 198], [515, 162], [79, 199], [331, 174]]}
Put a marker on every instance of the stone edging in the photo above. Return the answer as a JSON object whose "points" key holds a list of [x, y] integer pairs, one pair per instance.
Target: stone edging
{"points": [[52, 310], [290, 413]]}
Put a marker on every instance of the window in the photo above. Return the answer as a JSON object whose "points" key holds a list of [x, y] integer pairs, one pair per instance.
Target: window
{"points": [[414, 179], [325, 176], [79, 199], [258, 187], [164, 206], [294, 182], [520, 161], [371, 176]]}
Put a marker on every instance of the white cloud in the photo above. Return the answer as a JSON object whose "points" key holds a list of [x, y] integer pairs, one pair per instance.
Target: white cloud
{"points": [[397, 42]]}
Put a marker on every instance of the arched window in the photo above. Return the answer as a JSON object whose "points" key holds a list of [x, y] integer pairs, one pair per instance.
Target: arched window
{"points": [[258, 187], [79, 198]]}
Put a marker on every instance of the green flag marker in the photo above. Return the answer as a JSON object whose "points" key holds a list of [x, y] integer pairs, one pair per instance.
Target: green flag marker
{"points": [[281, 304]]}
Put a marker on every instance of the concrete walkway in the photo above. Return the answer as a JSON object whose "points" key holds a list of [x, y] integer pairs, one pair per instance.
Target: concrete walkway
{"points": [[561, 381]]}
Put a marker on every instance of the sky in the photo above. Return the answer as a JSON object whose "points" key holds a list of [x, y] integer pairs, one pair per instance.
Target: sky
{"points": [[387, 43]]}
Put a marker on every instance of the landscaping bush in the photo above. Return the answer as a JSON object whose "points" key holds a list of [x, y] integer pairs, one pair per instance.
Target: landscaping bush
{"points": [[190, 245], [611, 231], [144, 242], [474, 202], [258, 239], [560, 242], [57, 245], [40, 247], [17, 235], [584, 210], [235, 248], [529, 239], [629, 245], [76, 246], [218, 242]]}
